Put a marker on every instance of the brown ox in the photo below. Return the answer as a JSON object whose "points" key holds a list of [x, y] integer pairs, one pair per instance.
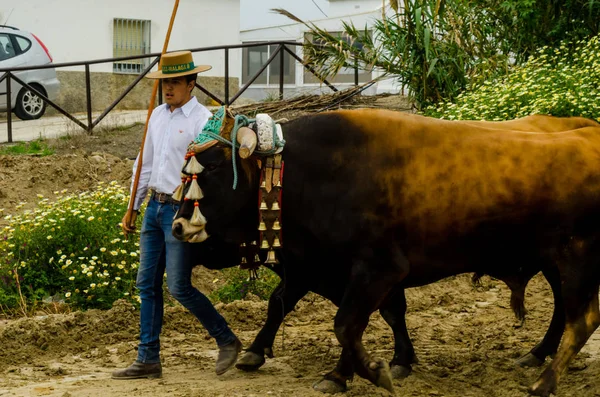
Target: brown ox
{"points": [[376, 201]]}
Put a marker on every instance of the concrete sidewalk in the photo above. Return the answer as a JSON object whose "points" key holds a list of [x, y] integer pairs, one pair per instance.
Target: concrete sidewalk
{"points": [[54, 126]]}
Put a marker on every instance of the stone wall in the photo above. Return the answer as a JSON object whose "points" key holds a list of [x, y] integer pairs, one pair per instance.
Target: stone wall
{"points": [[107, 87]]}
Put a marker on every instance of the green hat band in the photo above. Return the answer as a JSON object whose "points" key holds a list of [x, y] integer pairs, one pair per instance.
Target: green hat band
{"points": [[182, 67]]}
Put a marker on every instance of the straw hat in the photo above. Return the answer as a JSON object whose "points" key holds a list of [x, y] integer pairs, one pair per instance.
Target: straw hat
{"points": [[176, 64]]}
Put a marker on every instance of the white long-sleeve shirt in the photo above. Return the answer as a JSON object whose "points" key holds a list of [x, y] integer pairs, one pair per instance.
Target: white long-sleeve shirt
{"points": [[169, 134]]}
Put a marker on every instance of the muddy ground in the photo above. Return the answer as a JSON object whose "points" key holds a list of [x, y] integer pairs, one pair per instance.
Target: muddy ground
{"points": [[465, 336]]}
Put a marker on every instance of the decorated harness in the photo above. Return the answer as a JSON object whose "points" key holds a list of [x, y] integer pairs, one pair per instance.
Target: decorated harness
{"points": [[223, 127]]}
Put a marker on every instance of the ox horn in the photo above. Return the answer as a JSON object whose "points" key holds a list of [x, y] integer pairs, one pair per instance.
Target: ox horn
{"points": [[247, 140]]}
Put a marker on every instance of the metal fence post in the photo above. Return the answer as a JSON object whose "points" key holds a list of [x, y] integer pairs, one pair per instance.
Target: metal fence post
{"points": [[88, 97], [226, 76], [281, 52], [9, 107]]}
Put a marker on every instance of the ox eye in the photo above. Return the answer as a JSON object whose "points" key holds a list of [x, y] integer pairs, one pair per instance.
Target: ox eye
{"points": [[210, 167]]}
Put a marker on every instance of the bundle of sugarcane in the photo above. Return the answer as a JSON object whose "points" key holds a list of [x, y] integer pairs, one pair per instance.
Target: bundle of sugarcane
{"points": [[308, 102]]}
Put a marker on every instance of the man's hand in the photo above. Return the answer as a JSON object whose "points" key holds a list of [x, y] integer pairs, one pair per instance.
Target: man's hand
{"points": [[128, 223]]}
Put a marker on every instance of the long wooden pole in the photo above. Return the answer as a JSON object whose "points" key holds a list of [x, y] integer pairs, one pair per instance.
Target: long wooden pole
{"points": [[138, 170]]}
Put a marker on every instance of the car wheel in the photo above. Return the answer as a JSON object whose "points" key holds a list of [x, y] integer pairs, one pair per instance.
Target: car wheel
{"points": [[29, 106]]}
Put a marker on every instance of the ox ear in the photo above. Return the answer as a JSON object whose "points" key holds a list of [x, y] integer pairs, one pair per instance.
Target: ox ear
{"points": [[247, 140]]}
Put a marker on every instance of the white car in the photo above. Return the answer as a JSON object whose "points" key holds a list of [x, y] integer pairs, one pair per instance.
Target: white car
{"points": [[19, 49]]}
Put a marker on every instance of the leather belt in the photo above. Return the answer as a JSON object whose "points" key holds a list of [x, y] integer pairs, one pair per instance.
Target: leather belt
{"points": [[163, 198]]}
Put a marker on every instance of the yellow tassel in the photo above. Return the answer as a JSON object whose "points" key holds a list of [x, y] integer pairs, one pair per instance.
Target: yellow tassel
{"points": [[185, 163], [178, 194], [194, 192], [197, 218], [193, 166]]}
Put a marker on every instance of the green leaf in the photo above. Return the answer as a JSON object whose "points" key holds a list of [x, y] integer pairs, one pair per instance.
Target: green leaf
{"points": [[426, 38], [432, 66]]}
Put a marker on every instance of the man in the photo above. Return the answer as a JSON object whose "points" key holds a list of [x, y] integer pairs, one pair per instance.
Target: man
{"points": [[172, 127]]}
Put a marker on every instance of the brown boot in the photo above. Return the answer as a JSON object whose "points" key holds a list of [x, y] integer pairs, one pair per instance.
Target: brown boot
{"points": [[228, 355], [139, 370]]}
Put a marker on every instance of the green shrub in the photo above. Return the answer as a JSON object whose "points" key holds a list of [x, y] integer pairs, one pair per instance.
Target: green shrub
{"points": [[238, 285], [431, 48], [8, 298], [38, 147], [524, 26], [563, 81], [71, 249]]}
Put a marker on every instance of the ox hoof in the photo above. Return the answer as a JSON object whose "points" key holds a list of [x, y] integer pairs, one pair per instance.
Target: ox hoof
{"points": [[329, 386], [380, 374], [529, 360], [400, 372], [269, 352], [250, 362], [545, 385], [542, 390]]}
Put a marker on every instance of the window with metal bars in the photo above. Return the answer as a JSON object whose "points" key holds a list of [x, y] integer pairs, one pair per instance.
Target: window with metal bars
{"points": [[131, 37], [253, 58]]}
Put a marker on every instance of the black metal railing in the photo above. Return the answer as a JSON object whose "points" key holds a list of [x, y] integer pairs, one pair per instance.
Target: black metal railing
{"points": [[8, 74]]}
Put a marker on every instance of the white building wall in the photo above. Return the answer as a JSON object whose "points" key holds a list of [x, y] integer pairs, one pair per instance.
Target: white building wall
{"points": [[346, 10], [81, 30], [256, 14], [348, 7]]}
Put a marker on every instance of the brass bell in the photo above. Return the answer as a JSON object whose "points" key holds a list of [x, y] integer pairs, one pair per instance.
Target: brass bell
{"points": [[276, 243], [243, 245], [263, 205], [275, 206], [271, 258], [265, 244], [262, 227], [263, 184], [244, 261], [253, 242], [256, 258], [276, 225], [278, 183]]}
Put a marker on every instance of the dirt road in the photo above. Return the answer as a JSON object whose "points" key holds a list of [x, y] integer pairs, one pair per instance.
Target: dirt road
{"points": [[466, 339]]}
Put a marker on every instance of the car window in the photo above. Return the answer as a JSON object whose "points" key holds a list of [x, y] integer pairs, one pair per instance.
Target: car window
{"points": [[6, 47], [23, 43]]}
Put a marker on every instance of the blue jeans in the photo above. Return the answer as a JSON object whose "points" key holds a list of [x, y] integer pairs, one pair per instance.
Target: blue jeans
{"points": [[160, 250]]}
